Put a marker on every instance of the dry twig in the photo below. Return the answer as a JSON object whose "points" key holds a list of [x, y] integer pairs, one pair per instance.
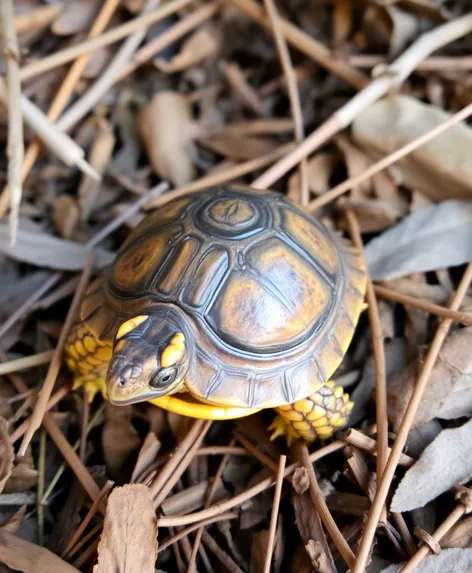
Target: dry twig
{"points": [[274, 514]]}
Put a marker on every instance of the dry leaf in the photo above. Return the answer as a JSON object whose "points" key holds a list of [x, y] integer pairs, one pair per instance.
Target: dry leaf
{"points": [[7, 454], [99, 158], [75, 17], [202, 44], [356, 163], [241, 88], [441, 168], [165, 126], [97, 62], [423, 241], [448, 561], [374, 215], [460, 535], [23, 476], [446, 462], [405, 27], [21, 555], [120, 440], [319, 171], [128, 543], [65, 215], [240, 147], [449, 391], [44, 250]]}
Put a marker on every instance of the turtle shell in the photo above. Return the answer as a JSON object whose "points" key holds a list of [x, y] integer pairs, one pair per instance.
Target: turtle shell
{"points": [[271, 296]]}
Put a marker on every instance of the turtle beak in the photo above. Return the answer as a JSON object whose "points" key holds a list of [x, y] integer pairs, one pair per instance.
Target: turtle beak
{"points": [[128, 384]]}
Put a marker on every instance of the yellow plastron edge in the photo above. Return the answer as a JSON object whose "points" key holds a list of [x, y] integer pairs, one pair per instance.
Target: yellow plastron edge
{"points": [[180, 405]]}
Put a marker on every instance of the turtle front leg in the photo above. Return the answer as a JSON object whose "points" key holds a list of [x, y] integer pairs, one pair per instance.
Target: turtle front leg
{"points": [[316, 416], [87, 357]]}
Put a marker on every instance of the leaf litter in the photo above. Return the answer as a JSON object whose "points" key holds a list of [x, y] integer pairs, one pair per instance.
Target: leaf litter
{"points": [[203, 95]]}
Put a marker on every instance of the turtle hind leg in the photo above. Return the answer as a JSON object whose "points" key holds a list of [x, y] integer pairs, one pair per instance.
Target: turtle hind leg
{"points": [[87, 358], [317, 416]]}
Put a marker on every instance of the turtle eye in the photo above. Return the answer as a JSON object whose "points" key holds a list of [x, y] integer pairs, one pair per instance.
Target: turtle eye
{"points": [[163, 378]]}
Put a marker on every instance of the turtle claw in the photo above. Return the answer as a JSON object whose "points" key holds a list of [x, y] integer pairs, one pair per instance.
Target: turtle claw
{"points": [[281, 428], [91, 387]]}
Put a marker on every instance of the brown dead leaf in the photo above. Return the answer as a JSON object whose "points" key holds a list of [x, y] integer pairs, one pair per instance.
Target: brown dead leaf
{"points": [[23, 476], [99, 158], [395, 121], [460, 535], [128, 543], [241, 88], [119, 440], [97, 62], [201, 45], [65, 215], [374, 215], [7, 454], [449, 391], [319, 171], [258, 551], [356, 163], [165, 126], [14, 522], [300, 481], [21, 555], [240, 147], [75, 17]]}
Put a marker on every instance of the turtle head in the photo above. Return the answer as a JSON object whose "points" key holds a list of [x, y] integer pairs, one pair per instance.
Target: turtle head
{"points": [[149, 360]]}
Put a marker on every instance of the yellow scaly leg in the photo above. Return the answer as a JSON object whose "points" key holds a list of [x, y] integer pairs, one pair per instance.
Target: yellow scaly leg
{"points": [[88, 360], [317, 416]]}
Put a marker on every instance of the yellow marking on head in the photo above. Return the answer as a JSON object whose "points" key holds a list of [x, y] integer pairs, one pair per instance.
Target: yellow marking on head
{"points": [[120, 345], [180, 405], [174, 352], [130, 325]]}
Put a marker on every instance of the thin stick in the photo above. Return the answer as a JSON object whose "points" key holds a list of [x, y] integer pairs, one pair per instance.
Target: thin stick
{"points": [[37, 18], [415, 302], [440, 532], [218, 450], [67, 88], [191, 528], [56, 361], [179, 452], [306, 44], [26, 362], [80, 108], [319, 504], [85, 419], [15, 149], [407, 421], [432, 64], [363, 442], [204, 426], [175, 520], [274, 514], [379, 356], [91, 45], [221, 555], [224, 176], [293, 93], [87, 519], [85, 539], [393, 77]]}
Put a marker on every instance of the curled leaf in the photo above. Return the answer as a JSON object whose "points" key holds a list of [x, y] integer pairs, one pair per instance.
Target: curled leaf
{"points": [[446, 462], [129, 539]]}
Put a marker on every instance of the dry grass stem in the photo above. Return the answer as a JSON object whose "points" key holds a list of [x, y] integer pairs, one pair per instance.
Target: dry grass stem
{"points": [[379, 355], [400, 441], [432, 64], [363, 442], [306, 44], [184, 532], [182, 27], [93, 95], [293, 93], [203, 428], [221, 450], [221, 555], [88, 46], [54, 400], [87, 519], [210, 496], [390, 159], [15, 148], [402, 527], [66, 89], [430, 307], [319, 505], [391, 78], [56, 361], [224, 176], [37, 18], [85, 539], [26, 362], [175, 520], [274, 514], [440, 532]]}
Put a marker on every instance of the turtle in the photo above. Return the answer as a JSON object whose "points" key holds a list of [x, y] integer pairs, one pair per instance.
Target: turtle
{"points": [[221, 303]]}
